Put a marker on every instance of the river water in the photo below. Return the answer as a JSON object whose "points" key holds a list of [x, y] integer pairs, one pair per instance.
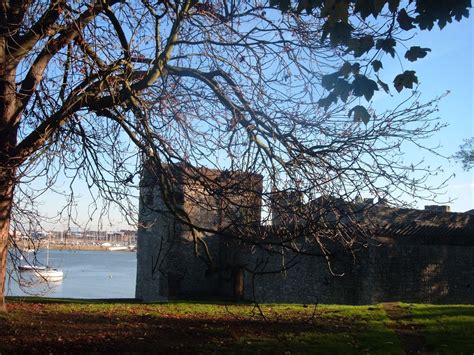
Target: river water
{"points": [[87, 274]]}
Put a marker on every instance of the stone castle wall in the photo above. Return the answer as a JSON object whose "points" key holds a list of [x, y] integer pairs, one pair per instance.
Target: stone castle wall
{"points": [[171, 263], [407, 273]]}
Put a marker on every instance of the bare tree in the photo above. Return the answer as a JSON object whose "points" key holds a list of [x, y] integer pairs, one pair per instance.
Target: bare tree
{"points": [[87, 87]]}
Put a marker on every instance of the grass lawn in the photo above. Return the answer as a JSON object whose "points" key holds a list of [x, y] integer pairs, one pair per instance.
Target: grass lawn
{"points": [[45, 325], [445, 328]]}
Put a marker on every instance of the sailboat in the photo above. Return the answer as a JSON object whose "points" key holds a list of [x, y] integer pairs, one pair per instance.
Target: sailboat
{"points": [[45, 272], [31, 266], [50, 274], [28, 267]]}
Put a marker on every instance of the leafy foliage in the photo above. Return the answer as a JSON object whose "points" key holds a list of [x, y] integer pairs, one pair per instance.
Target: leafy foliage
{"points": [[440, 12], [360, 46], [355, 39], [465, 155]]}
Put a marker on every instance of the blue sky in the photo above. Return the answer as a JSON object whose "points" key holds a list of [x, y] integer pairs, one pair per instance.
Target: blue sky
{"points": [[449, 66]]}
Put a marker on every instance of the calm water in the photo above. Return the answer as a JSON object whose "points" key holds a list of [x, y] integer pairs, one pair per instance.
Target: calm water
{"points": [[87, 274]]}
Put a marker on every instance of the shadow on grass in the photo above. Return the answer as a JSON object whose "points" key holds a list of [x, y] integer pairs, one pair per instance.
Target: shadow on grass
{"points": [[49, 329], [101, 332], [38, 299]]}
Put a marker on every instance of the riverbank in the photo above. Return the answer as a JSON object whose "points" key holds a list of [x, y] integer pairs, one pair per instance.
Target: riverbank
{"points": [[77, 247], [34, 325], [86, 247], [82, 247]]}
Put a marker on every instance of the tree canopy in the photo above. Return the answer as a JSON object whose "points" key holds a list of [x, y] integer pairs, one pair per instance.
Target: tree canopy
{"points": [[465, 155], [366, 29], [88, 89]]}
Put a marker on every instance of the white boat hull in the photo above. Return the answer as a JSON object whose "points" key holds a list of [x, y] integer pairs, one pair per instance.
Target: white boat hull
{"points": [[117, 248], [51, 275], [31, 267]]}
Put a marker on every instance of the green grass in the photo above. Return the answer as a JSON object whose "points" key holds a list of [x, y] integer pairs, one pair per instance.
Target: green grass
{"points": [[235, 328], [446, 328]]}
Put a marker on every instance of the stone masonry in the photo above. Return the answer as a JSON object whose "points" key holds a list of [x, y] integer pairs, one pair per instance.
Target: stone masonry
{"points": [[420, 256]]}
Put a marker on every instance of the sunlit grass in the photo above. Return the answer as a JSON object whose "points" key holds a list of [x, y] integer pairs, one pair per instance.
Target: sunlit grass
{"points": [[446, 328]]}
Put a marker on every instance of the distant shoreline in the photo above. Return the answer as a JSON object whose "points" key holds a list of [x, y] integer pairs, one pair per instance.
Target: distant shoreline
{"points": [[78, 247]]}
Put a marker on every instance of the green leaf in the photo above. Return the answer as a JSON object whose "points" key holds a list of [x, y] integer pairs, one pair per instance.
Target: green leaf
{"points": [[308, 5], [378, 6], [327, 101], [329, 81], [339, 33], [360, 114], [284, 5], [442, 12], [405, 80], [377, 65], [405, 21], [337, 10], [363, 86], [342, 89], [345, 69], [365, 8], [393, 5], [387, 45], [355, 68], [360, 45], [416, 52]]}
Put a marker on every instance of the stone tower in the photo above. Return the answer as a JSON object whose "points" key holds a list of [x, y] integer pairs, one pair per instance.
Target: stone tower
{"points": [[184, 215], [286, 207]]}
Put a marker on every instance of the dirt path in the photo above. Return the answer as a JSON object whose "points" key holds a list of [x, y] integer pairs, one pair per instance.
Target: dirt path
{"points": [[412, 342]]}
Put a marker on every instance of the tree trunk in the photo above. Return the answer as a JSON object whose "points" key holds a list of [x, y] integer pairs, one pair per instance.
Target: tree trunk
{"points": [[7, 184], [8, 139]]}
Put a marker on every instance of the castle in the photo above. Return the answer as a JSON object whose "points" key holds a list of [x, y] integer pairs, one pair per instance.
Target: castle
{"points": [[201, 236]]}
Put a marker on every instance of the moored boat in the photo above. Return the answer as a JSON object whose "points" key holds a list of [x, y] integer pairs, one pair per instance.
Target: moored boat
{"points": [[117, 248], [50, 274], [28, 267]]}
